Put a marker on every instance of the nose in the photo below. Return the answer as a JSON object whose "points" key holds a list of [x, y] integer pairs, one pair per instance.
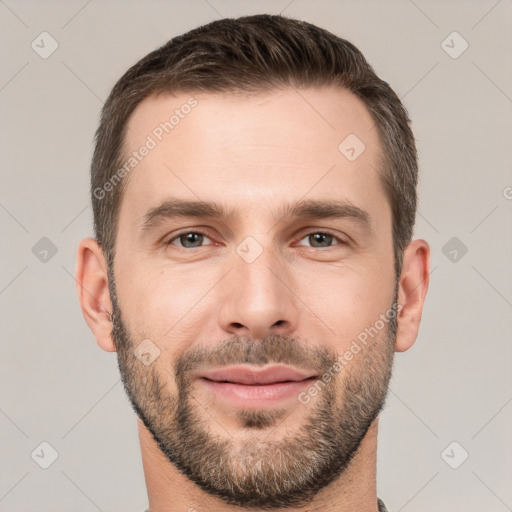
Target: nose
{"points": [[259, 299]]}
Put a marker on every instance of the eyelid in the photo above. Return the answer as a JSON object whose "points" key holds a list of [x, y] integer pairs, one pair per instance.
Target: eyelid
{"points": [[198, 231], [342, 240]]}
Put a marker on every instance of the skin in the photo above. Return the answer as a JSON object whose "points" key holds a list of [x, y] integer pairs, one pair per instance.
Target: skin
{"points": [[252, 155]]}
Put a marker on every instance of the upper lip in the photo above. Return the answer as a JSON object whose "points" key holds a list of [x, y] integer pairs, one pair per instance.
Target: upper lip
{"points": [[257, 375]]}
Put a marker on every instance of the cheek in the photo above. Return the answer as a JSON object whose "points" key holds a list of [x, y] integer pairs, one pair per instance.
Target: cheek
{"points": [[347, 299], [173, 303], [163, 302]]}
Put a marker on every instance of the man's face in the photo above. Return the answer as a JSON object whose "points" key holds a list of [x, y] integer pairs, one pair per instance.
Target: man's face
{"points": [[266, 286]]}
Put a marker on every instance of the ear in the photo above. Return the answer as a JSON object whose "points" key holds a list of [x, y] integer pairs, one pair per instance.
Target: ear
{"points": [[93, 292], [413, 287]]}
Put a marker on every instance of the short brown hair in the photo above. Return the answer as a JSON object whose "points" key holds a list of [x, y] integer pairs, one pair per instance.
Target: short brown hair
{"points": [[256, 54]]}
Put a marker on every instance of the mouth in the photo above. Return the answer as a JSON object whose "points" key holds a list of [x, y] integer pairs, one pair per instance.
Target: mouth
{"points": [[250, 386]]}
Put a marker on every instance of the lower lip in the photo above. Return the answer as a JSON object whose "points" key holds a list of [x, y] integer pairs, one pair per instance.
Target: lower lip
{"points": [[257, 395]]}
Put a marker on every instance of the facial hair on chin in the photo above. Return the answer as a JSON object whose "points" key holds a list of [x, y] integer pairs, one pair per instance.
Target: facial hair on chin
{"points": [[262, 471]]}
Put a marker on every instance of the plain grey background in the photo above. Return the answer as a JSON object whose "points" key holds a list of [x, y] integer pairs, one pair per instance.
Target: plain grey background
{"points": [[454, 386]]}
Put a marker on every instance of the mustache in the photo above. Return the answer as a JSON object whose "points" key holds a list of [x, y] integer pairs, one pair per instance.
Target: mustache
{"points": [[275, 349]]}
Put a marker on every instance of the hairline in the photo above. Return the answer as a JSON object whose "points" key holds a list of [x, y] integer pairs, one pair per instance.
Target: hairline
{"points": [[383, 155]]}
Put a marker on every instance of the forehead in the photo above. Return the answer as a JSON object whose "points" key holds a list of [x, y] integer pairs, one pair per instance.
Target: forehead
{"points": [[252, 151]]}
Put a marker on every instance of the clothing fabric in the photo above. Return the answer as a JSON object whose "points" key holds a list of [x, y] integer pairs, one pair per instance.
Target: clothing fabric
{"points": [[380, 503]]}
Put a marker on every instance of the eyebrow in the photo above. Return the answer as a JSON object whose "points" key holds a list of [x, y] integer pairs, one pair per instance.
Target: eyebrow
{"points": [[303, 209]]}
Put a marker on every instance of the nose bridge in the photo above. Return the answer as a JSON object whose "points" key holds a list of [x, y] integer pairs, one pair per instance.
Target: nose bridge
{"points": [[259, 298], [258, 265]]}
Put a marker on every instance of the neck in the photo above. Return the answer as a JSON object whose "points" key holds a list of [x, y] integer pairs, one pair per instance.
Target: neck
{"points": [[170, 491]]}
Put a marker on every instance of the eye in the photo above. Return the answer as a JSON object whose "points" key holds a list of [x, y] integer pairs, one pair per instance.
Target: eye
{"points": [[322, 239], [189, 239], [196, 239]]}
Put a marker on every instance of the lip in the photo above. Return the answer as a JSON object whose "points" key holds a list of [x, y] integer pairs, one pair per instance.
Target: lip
{"points": [[249, 386], [251, 375]]}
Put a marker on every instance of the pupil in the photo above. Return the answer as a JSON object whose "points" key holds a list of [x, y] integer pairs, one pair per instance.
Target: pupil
{"points": [[189, 238], [319, 236]]}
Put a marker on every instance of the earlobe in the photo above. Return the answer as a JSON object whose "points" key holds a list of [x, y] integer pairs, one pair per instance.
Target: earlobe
{"points": [[93, 292], [413, 287]]}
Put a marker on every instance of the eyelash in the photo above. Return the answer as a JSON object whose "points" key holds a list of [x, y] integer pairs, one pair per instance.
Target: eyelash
{"points": [[340, 240]]}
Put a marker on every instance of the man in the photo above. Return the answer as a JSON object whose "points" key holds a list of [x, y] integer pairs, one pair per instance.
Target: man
{"points": [[254, 196]]}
